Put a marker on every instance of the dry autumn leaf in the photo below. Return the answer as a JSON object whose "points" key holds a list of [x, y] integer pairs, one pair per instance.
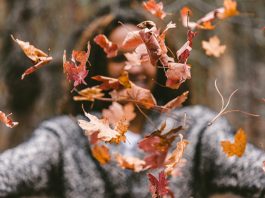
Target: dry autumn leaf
{"points": [[38, 57], [7, 120], [238, 147], [117, 112], [159, 187], [89, 94], [75, 69], [105, 132], [111, 49], [213, 47], [176, 102], [229, 9], [155, 8], [101, 153], [132, 163], [175, 157]]}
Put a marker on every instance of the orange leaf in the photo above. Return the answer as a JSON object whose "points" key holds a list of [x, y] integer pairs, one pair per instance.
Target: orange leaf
{"points": [[175, 157], [101, 153], [109, 48], [7, 121], [229, 10], [213, 47], [176, 102], [155, 8], [89, 94], [238, 147], [124, 79], [39, 57], [131, 163]]}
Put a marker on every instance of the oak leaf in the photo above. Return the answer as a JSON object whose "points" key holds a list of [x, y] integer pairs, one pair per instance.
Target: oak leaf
{"points": [[238, 147], [38, 57]]}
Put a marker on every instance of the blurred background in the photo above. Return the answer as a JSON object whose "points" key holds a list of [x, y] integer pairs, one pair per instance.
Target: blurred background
{"points": [[51, 26]]}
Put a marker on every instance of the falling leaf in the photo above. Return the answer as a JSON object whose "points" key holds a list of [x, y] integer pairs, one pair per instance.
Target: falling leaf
{"points": [[107, 82], [75, 69], [117, 112], [111, 49], [124, 79], [155, 8], [176, 74], [175, 157], [238, 147], [229, 10], [7, 120], [176, 102], [131, 163], [105, 132], [213, 47], [135, 94], [89, 94], [159, 187], [132, 40], [101, 153], [38, 57]]}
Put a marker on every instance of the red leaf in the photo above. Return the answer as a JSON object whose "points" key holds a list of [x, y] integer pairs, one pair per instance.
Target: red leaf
{"points": [[7, 121], [75, 69], [109, 48], [132, 40], [158, 187]]}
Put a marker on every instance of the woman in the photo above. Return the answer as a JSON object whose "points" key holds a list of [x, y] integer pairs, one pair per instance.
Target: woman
{"points": [[57, 160]]}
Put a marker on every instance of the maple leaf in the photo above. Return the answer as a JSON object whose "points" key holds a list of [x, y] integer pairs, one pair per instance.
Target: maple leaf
{"points": [[175, 157], [75, 69], [176, 102], [238, 147], [155, 8], [38, 57], [117, 112], [176, 74], [105, 132], [7, 120], [111, 49], [89, 94], [229, 9], [101, 153], [213, 47], [159, 187], [132, 163], [157, 144]]}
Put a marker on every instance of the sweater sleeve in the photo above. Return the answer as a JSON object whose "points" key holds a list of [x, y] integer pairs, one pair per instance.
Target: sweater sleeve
{"points": [[214, 172], [243, 176], [27, 168]]}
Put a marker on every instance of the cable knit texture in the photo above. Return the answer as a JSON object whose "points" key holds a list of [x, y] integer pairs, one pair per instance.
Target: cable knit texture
{"points": [[56, 161]]}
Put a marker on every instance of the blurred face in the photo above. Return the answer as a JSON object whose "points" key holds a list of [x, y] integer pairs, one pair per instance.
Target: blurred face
{"points": [[140, 75]]}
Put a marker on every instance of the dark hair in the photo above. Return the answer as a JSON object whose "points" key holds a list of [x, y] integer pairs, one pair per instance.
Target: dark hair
{"points": [[104, 23]]}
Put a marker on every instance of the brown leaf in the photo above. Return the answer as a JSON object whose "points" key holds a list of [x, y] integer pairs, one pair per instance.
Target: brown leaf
{"points": [[39, 57], [176, 102]]}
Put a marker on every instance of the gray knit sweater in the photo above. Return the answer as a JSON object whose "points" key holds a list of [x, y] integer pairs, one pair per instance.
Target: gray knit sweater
{"points": [[56, 161]]}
